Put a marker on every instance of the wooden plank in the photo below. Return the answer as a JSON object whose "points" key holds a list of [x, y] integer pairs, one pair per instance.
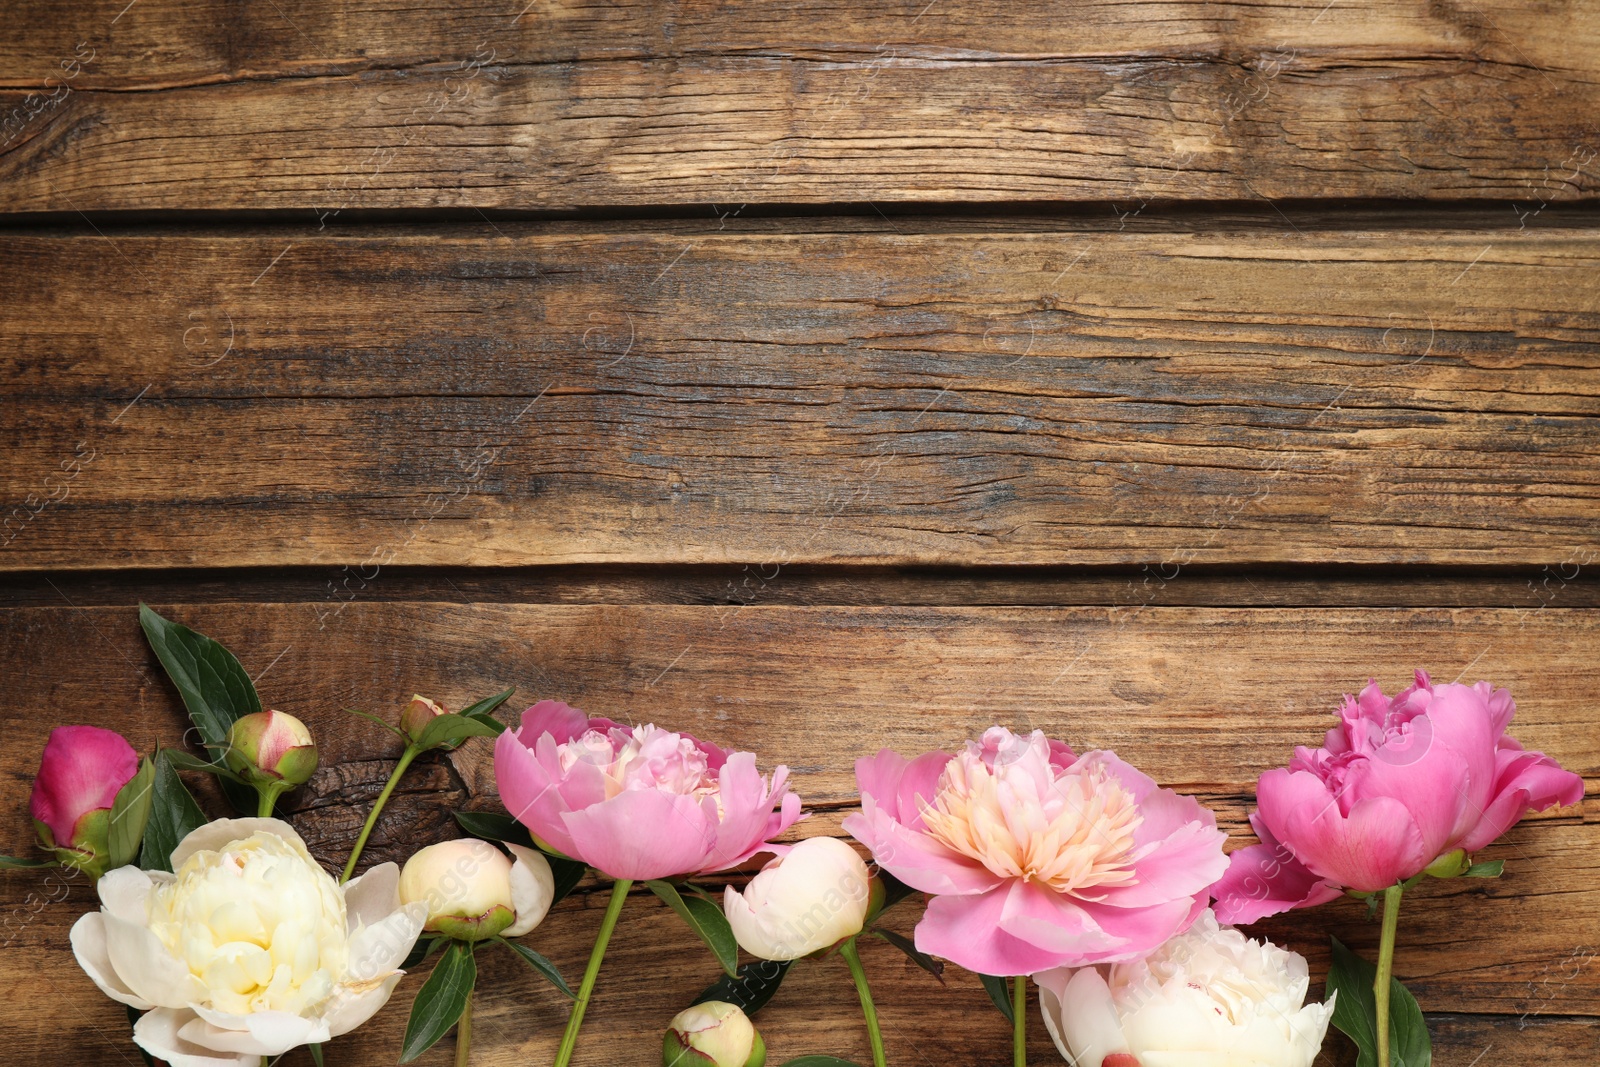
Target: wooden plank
{"points": [[787, 393], [576, 105], [1203, 699]]}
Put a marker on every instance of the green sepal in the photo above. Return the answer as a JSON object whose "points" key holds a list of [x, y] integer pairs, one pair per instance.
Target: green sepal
{"points": [[440, 1001], [705, 919], [130, 813]]}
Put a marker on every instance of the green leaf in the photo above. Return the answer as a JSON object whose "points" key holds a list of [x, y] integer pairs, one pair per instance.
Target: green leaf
{"points": [[173, 815], [999, 992], [1356, 1013], [440, 1001], [705, 919], [129, 814], [821, 1061], [1489, 869], [12, 863], [316, 1054], [454, 729], [492, 826], [540, 964], [425, 947], [757, 981], [482, 708], [214, 687], [184, 761], [906, 945], [391, 727]]}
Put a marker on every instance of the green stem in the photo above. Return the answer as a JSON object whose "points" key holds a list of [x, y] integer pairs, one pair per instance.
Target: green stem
{"points": [[569, 1040], [1380, 985], [464, 1034], [853, 958], [266, 797], [1019, 1022], [411, 753]]}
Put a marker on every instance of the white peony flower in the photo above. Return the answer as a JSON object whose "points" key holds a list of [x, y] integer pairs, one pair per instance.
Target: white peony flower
{"points": [[249, 950], [812, 897], [1210, 997]]}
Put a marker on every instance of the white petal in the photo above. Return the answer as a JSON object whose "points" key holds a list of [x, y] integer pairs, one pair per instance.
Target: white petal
{"points": [[350, 1009], [261, 1033], [89, 945], [157, 1033], [146, 967], [374, 896], [216, 835], [377, 950], [1089, 1021], [124, 892], [751, 933], [533, 887]]}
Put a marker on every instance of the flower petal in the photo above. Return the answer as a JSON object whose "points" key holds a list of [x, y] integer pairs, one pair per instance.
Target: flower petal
{"points": [[1080, 1014], [915, 858], [901, 787], [146, 967], [1525, 781], [374, 896], [1371, 848], [216, 835], [376, 950], [530, 788], [260, 1033], [88, 939], [642, 834], [552, 717], [533, 888], [966, 931], [125, 891], [157, 1033], [746, 806], [1186, 862], [81, 770], [351, 1007], [1266, 879]]}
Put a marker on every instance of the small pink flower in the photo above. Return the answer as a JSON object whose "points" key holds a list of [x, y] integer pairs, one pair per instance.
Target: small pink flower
{"points": [[1397, 784], [82, 770], [640, 802], [1037, 859]]}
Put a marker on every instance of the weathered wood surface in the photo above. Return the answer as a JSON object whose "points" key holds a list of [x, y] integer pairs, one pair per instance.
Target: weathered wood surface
{"points": [[795, 392], [304, 105], [1202, 698]]}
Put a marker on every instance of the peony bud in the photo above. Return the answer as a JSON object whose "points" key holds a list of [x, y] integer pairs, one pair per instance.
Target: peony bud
{"points": [[80, 774], [815, 896], [474, 892], [269, 748], [418, 714], [1452, 864], [715, 1033]]}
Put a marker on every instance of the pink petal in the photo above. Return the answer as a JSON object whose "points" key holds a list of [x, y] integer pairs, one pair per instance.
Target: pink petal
{"points": [[1462, 718], [1429, 779], [554, 718], [1135, 781], [1527, 781], [900, 786], [966, 931], [1371, 848], [1136, 931], [643, 834], [81, 771], [747, 818], [915, 858], [530, 791], [1184, 864], [1266, 879]]}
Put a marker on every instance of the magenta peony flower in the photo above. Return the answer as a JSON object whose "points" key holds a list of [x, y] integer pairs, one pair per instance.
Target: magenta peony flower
{"points": [[1037, 859], [637, 803], [80, 774], [1398, 784]]}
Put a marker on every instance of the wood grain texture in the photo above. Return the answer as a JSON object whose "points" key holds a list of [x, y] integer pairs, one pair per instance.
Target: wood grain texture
{"points": [[795, 392], [562, 105], [1201, 698]]}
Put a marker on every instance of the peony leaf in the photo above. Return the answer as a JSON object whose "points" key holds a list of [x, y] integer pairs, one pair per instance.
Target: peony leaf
{"points": [[316, 1054], [482, 708], [12, 863], [451, 730], [391, 727], [213, 684], [173, 815], [440, 1001], [1489, 869], [540, 964], [492, 826], [183, 761], [129, 814], [906, 945], [1356, 1013], [894, 890], [705, 919], [756, 983], [425, 947], [1000, 993], [821, 1061]]}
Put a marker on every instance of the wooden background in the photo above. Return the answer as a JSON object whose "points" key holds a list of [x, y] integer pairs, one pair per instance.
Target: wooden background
{"points": [[813, 376]]}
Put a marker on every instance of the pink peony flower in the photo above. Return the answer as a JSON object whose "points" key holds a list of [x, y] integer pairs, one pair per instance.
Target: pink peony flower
{"points": [[1399, 783], [1037, 859], [80, 774], [637, 803]]}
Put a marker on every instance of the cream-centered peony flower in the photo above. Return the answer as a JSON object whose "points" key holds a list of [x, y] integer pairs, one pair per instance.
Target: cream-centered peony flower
{"points": [[1210, 997], [249, 950]]}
